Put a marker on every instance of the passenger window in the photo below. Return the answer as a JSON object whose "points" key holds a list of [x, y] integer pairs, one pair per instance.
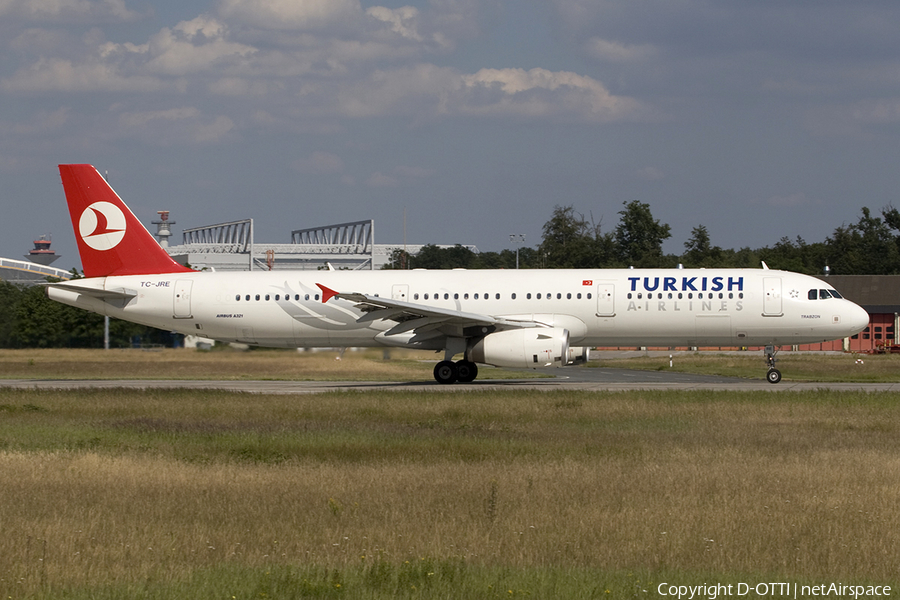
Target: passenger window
{"points": [[497, 296], [476, 297], [813, 294], [539, 296], [569, 296], [238, 297], [823, 294], [528, 296], [247, 297], [513, 296], [257, 297]]}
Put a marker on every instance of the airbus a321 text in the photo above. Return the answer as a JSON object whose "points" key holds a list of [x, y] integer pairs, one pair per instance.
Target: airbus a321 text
{"points": [[509, 318]]}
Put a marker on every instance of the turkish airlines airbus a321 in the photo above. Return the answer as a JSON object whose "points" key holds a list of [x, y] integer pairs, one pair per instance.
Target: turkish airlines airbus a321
{"points": [[528, 318]]}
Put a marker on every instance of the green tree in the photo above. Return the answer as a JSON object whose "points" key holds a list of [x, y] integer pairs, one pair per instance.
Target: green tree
{"points": [[10, 295], [699, 252], [639, 236], [571, 241], [866, 248]]}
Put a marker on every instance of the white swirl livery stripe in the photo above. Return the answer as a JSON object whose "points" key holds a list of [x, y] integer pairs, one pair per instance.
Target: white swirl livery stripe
{"points": [[102, 226]]}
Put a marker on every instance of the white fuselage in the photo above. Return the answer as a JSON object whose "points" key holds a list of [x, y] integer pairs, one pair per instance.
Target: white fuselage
{"points": [[608, 307]]}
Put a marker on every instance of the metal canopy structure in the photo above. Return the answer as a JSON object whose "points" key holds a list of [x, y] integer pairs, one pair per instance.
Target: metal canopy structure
{"points": [[28, 273], [344, 246]]}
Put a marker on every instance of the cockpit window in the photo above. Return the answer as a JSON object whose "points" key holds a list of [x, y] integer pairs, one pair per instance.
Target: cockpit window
{"points": [[823, 295], [835, 294], [813, 294]]}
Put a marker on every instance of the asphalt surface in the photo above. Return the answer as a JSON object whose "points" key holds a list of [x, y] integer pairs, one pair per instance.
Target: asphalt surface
{"points": [[575, 378]]}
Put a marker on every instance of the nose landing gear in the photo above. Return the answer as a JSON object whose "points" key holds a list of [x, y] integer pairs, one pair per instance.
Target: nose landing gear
{"points": [[773, 375]]}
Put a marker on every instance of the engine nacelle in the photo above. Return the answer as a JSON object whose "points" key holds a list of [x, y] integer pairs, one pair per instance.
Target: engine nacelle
{"points": [[532, 348]]}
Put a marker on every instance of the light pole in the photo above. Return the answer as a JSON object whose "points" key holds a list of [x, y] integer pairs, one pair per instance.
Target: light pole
{"points": [[517, 239]]}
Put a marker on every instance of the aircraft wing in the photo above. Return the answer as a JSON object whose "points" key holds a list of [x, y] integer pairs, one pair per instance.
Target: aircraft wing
{"points": [[421, 318]]}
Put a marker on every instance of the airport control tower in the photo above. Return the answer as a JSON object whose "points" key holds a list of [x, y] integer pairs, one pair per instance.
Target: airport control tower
{"points": [[41, 253], [163, 228]]}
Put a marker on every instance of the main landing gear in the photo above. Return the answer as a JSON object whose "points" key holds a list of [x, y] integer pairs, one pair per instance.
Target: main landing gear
{"points": [[773, 375], [463, 371]]}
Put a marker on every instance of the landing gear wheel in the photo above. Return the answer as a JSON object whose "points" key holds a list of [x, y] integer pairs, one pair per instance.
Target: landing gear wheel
{"points": [[446, 372], [466, 371], [773, 376]]}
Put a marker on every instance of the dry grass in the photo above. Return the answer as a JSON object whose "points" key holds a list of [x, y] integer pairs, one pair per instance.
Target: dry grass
{"points": [[367, 365], [116, 487], [795, 367]]}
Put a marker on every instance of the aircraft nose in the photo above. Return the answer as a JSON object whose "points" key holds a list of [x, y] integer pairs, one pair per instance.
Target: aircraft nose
{"points": [[857, 318]]}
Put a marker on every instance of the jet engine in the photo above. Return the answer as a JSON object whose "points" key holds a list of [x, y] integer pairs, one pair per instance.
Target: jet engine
{"points": [[532, 348]]}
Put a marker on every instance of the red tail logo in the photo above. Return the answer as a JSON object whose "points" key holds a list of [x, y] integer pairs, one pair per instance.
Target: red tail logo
{"points": [[111, 240]]}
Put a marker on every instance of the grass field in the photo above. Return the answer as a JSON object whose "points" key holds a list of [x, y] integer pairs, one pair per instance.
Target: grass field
{"points": [[227, 364], [175, 494], [883, 368]]}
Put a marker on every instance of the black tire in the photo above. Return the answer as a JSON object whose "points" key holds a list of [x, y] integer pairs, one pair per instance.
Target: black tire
{"points": [[773, 376], [445, 372], [466, 371]]}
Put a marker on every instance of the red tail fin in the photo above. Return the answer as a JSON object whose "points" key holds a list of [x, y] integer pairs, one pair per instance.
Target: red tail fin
{"points": [[111, 240]]}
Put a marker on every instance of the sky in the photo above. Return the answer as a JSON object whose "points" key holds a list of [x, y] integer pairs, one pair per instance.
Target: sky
{"points": [[453, 121]]}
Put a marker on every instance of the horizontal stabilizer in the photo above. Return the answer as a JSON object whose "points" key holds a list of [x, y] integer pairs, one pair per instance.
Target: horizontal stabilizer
{"points": [[117, 293]]}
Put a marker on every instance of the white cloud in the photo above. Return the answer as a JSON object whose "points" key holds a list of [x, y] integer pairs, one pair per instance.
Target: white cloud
{"points": [[291, 14], [402, 21], [381, 180], [62, 75], [185, 125], [606, 50], [68, 10], [196, 46], [429, 91], [543, 93]]}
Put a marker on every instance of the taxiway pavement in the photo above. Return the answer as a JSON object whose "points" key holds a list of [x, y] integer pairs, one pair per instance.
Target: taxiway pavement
{"points": [[589, 379]]}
